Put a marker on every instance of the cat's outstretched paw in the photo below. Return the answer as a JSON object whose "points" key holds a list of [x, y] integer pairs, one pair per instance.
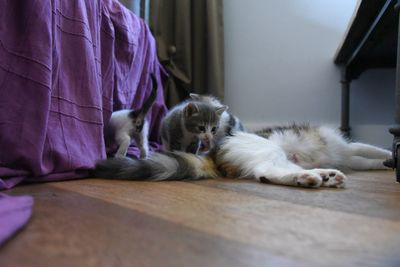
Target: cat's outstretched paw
{"points": [[332, 178], [308, 179]]}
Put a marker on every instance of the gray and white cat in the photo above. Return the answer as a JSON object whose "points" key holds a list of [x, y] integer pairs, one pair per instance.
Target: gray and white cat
{"points": [[297, 155], [128, 124], [229, 124], [190, 126]]}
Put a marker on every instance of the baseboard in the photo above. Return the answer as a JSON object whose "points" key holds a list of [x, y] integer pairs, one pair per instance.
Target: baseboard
{"points": [[374, 134]]}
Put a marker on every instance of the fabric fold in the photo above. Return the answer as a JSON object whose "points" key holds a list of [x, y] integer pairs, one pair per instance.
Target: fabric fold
{"points": [[14, 214], [64, 67]]}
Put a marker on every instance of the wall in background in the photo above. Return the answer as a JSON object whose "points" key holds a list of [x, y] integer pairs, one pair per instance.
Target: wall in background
{"points": [[279, 68]]}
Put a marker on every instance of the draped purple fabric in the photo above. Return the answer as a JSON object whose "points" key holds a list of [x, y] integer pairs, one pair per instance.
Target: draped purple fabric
{"points": [[64, 67], [14, 214]]}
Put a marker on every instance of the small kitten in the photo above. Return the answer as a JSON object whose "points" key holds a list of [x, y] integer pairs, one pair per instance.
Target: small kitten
{"points": [[128, 124], [229, 123], [190, 126], [295, 155]]}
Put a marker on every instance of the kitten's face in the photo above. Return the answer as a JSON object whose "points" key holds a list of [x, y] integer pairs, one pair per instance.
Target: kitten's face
{"points": [[202, 120]]}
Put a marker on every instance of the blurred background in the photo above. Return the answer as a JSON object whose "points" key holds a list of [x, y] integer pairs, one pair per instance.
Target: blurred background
{"points": [[278, 66]]}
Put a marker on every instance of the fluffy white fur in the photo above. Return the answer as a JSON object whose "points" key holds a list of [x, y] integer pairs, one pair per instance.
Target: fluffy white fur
{"points": [[125, 129], [295, 156], [304, 160]]}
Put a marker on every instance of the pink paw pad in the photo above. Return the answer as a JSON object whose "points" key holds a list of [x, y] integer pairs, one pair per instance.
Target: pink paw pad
{"points": [[308, 180], [332, 178]]}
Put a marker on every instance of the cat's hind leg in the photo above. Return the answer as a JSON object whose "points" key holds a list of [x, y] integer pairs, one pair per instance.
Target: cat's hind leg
{"points": [[364, 164], [123, 141], [143, 144], [142, 141], [369, 151], [144, 149]]}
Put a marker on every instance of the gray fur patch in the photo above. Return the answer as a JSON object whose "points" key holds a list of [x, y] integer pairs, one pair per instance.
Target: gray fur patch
{"points": [[298, 129]]}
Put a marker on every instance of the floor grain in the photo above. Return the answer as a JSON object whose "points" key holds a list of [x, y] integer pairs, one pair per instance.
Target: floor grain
{"points": [[96, 222]]}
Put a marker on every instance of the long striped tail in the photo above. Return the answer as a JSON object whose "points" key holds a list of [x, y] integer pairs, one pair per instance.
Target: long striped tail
{"points": [[159, 167]]}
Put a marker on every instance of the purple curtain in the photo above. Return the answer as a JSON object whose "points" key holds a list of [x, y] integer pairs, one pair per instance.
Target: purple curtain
{"points": [[64, 67]]}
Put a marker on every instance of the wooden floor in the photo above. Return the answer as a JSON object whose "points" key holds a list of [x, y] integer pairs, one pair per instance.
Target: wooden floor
{"points": [[97, 222]]}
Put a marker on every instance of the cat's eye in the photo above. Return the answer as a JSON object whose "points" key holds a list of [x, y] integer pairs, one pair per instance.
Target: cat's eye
{"points": [[214, 129], [202, 128]]}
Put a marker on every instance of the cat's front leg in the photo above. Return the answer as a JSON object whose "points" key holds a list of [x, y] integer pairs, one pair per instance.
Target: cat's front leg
{"points": [[309, 178], [331, 177], [194, 146], [302, 179], [288, 176]]}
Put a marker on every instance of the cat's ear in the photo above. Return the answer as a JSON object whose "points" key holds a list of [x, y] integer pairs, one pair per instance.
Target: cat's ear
{"points": [[221, 110], [195, 96], [191, 109]]}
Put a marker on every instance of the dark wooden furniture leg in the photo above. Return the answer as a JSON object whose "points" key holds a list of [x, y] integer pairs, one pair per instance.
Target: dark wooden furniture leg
{"points": [[345, 113], [395, 130]]}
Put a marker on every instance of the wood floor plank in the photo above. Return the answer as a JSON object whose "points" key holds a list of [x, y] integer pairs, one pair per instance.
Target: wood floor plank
{"points": [[294, 230], [374, 194], [71, 229], [209, 223]]}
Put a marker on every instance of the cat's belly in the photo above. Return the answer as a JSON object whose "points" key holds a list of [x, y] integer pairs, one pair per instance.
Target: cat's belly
{"points": [[243, 154]]}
